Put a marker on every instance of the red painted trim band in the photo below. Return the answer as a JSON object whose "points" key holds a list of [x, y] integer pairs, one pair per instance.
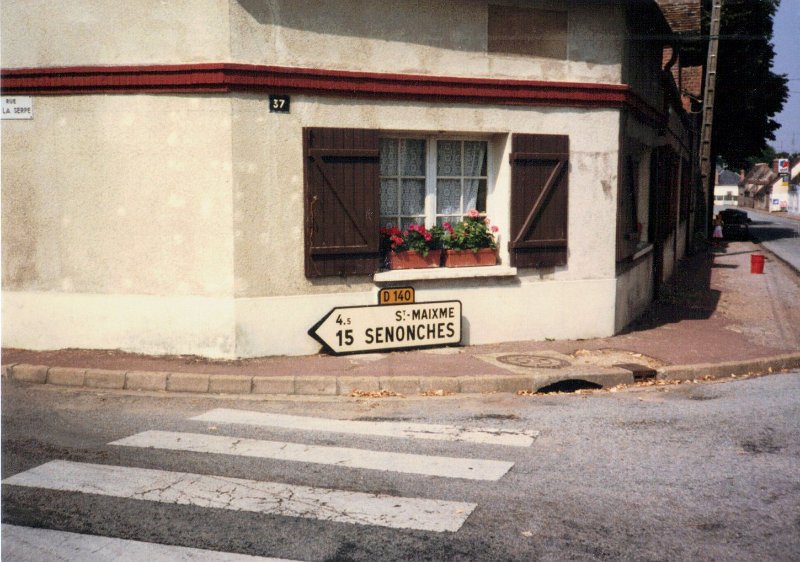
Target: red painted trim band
{"points": [[231, 77]]}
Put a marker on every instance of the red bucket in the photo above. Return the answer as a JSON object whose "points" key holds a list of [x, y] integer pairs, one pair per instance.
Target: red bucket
{"points": [[756, 263]]}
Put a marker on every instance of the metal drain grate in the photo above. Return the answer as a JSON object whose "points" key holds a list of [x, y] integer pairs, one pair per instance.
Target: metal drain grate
{"points": [[533, 361]]}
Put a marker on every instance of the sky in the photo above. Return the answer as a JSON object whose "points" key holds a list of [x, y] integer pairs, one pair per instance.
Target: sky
{"points": [[786, 39]]}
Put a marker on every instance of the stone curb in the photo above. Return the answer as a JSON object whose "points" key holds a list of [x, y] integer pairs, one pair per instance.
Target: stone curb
{"points": [[728, 368], [342, 386]]}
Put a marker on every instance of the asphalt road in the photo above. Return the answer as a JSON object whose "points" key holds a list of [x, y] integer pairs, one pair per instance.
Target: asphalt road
{"points": [[777, 233], [689, 472]]}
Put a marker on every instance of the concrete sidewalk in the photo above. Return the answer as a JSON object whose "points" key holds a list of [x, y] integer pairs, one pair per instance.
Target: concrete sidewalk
{"points": [[714, 319]]}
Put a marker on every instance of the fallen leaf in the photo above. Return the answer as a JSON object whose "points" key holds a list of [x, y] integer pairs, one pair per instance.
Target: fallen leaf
{"points": [[438, 392], [527, 534], [356, 393]]}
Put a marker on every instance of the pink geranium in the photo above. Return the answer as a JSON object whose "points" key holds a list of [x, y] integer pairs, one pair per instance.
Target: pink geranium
{"points": [[415, 237], [472, 233]]}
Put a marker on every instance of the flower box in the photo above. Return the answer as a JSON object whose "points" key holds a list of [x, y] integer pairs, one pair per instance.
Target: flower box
{"points": [[410, 259], [468, 258]]}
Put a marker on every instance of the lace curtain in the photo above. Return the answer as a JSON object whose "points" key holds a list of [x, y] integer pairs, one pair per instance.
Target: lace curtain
{"points": [[460, 168], [460, 180], [402, 182]]}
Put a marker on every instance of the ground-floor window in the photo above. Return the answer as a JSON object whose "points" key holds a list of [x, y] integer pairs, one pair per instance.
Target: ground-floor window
{"points": [[359, 180], [431, 181]]}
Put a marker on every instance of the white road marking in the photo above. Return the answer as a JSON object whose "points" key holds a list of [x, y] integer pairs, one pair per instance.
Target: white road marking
{"points": [[238, 494], [385, 429], [26, 544], [449, 467]]}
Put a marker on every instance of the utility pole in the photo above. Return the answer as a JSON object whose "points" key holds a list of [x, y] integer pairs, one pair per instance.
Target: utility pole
{"points": [[708, 109]]}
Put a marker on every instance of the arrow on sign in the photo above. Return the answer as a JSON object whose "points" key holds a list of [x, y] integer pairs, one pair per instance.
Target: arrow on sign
{"points": [[362, 329]]}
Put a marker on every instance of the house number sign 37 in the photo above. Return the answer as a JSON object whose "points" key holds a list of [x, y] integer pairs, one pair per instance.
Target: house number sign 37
{"points": [[279, 104]]}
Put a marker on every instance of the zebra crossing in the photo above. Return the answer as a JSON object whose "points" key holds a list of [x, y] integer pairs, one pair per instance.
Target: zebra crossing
{"points": [[275, 498], [26, 543]]}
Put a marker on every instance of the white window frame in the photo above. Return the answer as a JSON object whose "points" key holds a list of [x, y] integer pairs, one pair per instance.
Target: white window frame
{"points": [[431, 176]]}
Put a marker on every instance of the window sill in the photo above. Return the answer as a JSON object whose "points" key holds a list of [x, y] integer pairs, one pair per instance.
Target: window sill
{"points": [[445, 273]]}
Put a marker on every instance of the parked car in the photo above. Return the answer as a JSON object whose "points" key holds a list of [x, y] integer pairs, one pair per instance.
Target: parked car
{"points": [[735, 224]]}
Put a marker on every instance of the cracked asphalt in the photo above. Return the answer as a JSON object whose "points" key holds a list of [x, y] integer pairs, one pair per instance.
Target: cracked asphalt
{"points": [[702, 471]]}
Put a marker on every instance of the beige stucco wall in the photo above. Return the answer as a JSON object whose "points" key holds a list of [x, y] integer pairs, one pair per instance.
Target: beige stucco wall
{"points": [[117, 225], [173, 223], [445, 38], [119, 194], [268, 181], [436, 38], [113, 32], [634, 292], [273, 296]]}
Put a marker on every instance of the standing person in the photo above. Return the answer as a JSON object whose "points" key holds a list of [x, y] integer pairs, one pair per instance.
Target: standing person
{"points": [[717, 234]]}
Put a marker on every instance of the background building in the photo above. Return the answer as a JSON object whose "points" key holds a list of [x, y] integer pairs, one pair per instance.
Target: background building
{"points": [[726, 187]]}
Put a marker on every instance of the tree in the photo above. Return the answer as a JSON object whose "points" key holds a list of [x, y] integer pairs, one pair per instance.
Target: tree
{"points": [[767, 155], [748, 93]]}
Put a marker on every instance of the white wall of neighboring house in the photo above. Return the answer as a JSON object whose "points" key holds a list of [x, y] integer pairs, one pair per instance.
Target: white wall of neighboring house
{"points": [[779, 196], [173, 223], [793, 205], [726, 194], [779, 190]]}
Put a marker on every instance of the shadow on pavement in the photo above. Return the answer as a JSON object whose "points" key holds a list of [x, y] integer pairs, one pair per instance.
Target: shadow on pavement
{"points": [[686, 296], [770, 234]]}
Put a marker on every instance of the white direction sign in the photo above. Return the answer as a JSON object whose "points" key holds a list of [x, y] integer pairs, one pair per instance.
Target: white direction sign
{"points": [[359, 329]]}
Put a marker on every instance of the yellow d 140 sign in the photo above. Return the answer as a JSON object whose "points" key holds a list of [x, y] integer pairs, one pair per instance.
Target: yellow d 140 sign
{"points": [[361, 329]]}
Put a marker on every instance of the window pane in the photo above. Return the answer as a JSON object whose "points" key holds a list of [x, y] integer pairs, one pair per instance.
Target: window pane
{"points": [[389, 198], [412, 157], [480, 204], [448, 197], [406, 221], [475, 158], [471, 191], [448, 155], [412, 197], [388, 157], [452, 220]]}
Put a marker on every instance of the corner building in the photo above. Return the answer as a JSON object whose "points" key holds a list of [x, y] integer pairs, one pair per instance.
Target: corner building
{"points": [[210, 177]]}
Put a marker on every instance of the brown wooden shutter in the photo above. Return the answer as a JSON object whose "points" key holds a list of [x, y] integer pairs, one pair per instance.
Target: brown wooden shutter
{"points": [[342, 201], [539, 186]]}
